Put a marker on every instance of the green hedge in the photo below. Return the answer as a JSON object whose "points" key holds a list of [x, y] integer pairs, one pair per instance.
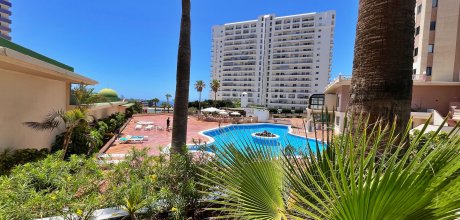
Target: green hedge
{"points": [[11, 158]]}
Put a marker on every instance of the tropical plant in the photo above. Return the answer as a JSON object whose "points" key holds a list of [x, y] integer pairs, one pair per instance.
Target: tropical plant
{"points": [[349, 177], [215, 85], [199, 86], [52, 187], [132, 183], [381, 85], [10, 158], [70, 119], [85, 97], [155, 102], [179, 130]]}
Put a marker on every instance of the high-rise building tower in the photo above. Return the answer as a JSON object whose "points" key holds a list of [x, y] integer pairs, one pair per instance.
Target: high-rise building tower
{"points": [[5, 22], [278, 61], [437, 41]]}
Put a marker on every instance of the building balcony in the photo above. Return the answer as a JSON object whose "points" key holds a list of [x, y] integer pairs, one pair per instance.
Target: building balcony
{"points": [[3, 28], [6, 3], [6, 20], [5, 37], [5, 11]]}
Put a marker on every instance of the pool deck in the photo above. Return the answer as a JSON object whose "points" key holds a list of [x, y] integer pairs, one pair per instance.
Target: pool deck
{"points": [[158, 139]]}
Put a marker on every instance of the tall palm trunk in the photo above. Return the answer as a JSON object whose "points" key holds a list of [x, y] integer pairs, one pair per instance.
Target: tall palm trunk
{"points": [[67, 138], [179, 133], [199, 102], [215, 99], [381, 86]]}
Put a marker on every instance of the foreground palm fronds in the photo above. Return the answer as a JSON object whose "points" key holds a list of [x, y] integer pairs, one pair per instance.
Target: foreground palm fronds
{"points": [[371, 174]]}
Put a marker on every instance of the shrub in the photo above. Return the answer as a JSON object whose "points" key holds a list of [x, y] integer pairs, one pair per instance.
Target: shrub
{"points": [[276, 116], [192, 110], [286, 111], [298, 116], [11, 158], [51, 187]]}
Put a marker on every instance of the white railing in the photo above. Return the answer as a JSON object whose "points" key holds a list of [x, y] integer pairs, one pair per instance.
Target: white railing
{"points": [[419, 77], [338, 79]]}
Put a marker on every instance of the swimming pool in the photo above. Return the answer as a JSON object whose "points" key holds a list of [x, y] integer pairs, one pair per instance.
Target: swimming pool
{"points": [[243, 136]]}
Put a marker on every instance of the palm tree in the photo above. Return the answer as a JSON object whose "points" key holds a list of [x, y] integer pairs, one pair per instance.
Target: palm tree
{"points": [[85, 97], [164, 105], [168, 96], [382, 69], [349, 179], [215, 85], [179, 133], [70, 119], [155, 102], [199, 86]]}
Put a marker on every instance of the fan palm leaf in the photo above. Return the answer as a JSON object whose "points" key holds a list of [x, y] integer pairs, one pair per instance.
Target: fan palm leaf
{"points": [[378, 174]]}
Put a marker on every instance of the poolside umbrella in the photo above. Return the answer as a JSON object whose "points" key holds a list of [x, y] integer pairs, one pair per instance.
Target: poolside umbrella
{"points": [[223, 113], [210, 110], [235, 114]]}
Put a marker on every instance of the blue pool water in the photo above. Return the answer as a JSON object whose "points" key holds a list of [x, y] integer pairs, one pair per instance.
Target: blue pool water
{"points": [[240, 136]]}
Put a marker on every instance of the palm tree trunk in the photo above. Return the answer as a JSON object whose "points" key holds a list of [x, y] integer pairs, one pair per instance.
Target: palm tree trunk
{"points": [[215, 99], [67, 138], [179, 133], [199, 103], [155, 110], [381, 86]]}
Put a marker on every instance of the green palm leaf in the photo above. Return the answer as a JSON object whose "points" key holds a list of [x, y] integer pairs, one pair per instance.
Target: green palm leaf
{"points": [[368, 173]]}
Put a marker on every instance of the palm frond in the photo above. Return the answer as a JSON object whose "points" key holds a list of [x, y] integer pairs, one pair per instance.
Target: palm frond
{"points": [[50, 122], [249, 183], [369, 172]]}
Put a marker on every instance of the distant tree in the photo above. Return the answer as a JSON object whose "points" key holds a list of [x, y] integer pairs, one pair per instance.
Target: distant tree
{"points": [[85, 96], [199, 86], [215, 85], [155, 102], [168, 96], [164, 105]]}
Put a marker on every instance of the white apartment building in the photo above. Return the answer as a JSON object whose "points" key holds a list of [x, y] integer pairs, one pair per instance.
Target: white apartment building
{"points": [[278, 61]]}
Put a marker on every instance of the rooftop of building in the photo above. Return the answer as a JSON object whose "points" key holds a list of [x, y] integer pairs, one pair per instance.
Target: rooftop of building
{"points": [[281, 17], [18, 58]]}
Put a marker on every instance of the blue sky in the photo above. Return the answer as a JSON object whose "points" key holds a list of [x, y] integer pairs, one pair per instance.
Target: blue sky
{"points": [[131, 46]]}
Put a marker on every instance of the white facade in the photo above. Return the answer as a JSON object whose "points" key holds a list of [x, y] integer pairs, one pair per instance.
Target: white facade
{"points": [[5, 21], [278, 61]]}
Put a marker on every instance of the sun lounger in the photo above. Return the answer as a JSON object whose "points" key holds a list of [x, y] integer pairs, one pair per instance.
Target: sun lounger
{"points": [[149, 127], [160, 128], [133, 139], [138, 127]]}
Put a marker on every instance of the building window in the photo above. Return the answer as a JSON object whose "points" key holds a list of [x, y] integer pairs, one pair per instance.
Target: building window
{"points": [[434, 3], [428, 71], [415, 52], [419, 9], [417, 31], [433, 26], [430, 48]]}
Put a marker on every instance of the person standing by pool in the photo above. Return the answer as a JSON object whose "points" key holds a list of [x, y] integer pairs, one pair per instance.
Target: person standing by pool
{"points": [[167, 124]]}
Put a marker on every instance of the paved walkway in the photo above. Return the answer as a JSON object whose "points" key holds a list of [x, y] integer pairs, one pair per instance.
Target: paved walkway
{"points": [[156, 138]]}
